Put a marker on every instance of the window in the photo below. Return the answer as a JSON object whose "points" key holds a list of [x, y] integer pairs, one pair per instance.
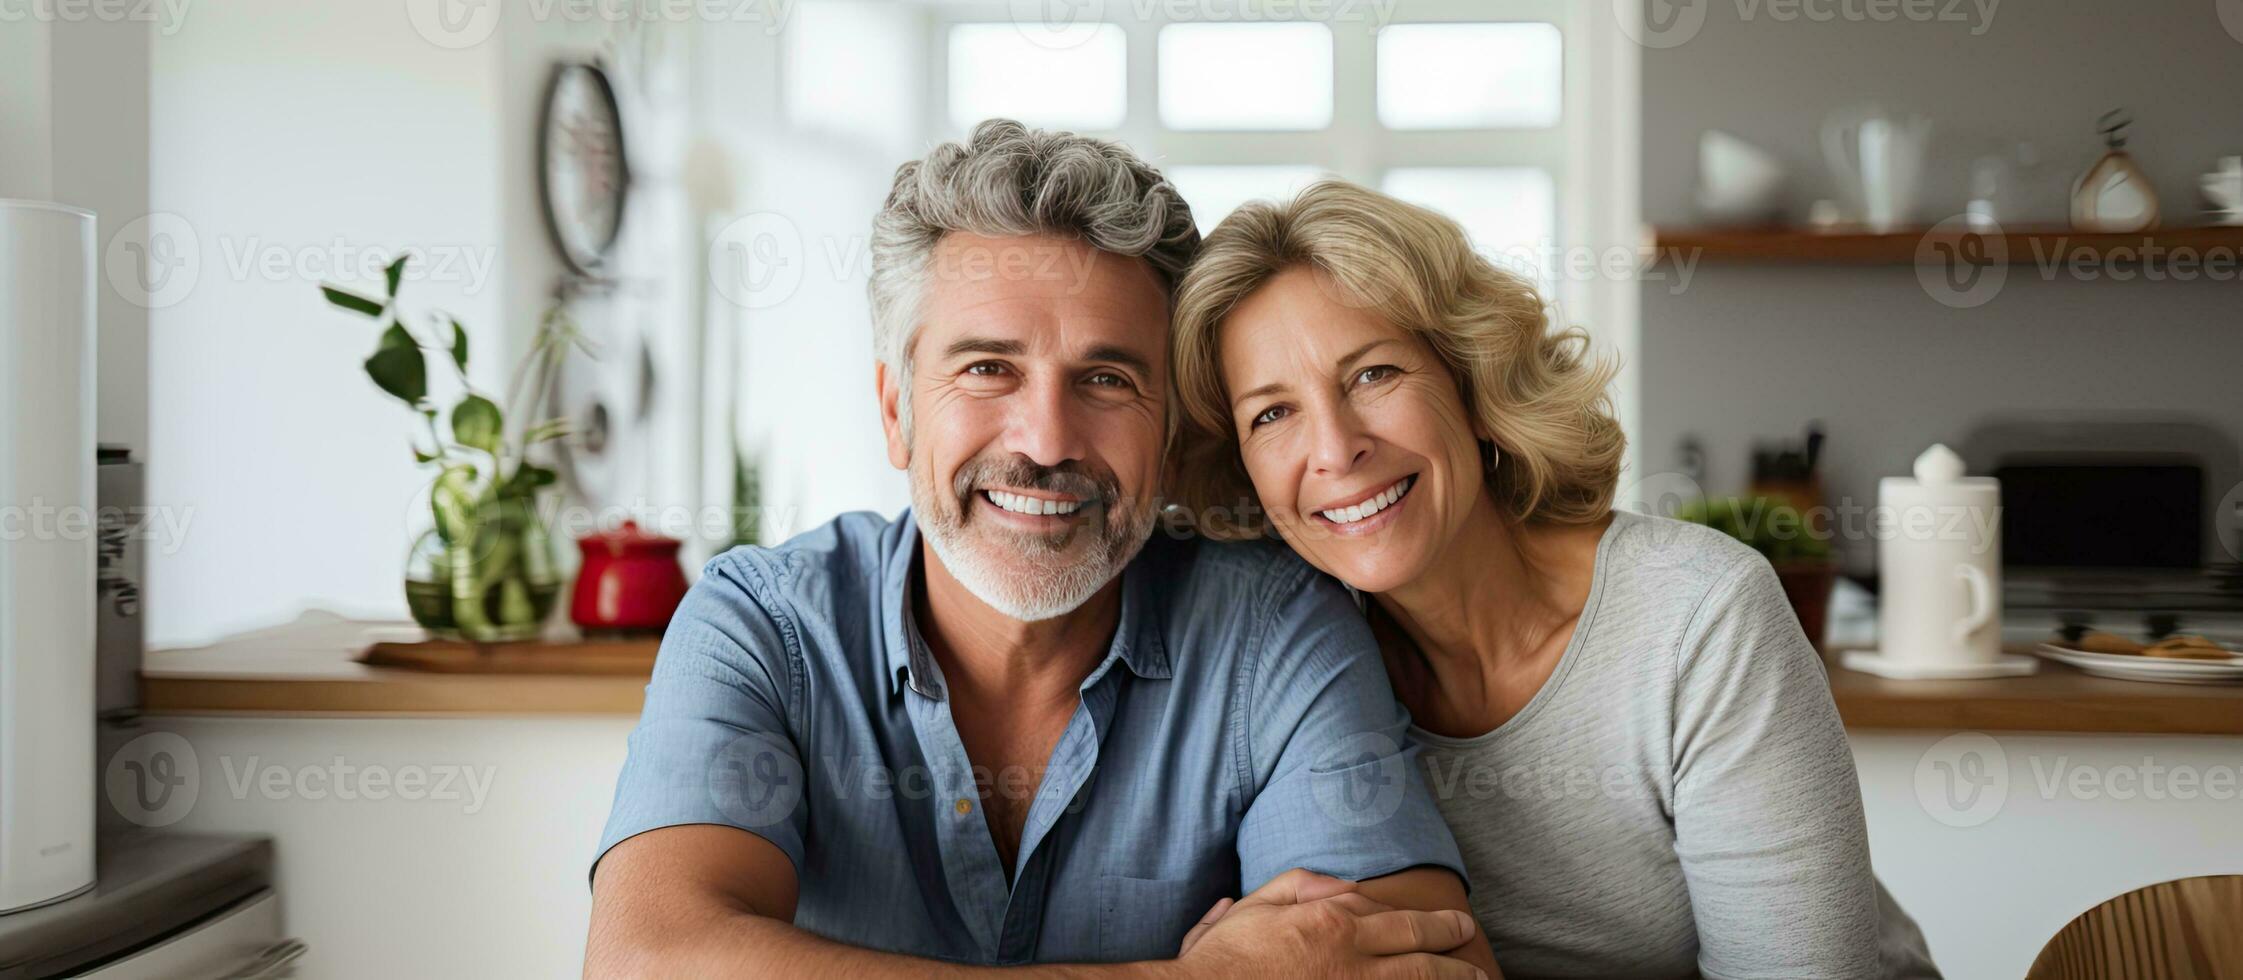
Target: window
{"points": [[1463, 76], [1497, 113], [999, 70], [1517, 118], [843, 74], [1462, 108], [1246, 76]]}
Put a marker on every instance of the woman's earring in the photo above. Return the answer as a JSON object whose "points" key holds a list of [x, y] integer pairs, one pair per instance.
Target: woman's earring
{"points": [[1489, 455]]}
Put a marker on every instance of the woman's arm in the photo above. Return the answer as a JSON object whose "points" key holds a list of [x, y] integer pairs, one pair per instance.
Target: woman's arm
{"points": [[1767, 807]]}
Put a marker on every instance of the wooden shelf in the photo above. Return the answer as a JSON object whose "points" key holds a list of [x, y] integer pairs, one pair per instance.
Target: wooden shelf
{"points": [[2028, 246]]}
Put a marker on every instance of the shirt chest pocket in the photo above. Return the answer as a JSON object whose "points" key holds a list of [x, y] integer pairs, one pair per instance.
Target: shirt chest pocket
{"points": [[1146, 918]]}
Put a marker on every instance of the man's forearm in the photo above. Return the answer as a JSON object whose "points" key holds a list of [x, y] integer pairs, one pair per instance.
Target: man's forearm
{"points": [[746, 945], [708, 901]]}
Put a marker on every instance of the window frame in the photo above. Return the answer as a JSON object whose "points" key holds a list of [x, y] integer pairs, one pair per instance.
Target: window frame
{"points": [[1592, 154]]}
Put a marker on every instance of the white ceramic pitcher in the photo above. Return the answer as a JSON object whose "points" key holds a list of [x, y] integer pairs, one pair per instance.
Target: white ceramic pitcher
{"points": [[1877, 159], [1939, 562]]}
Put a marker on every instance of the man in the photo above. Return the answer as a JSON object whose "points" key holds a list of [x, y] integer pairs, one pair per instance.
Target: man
{"points": [[991, 732]]}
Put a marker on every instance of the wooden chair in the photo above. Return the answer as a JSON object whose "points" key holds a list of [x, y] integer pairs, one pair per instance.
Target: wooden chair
{"points": [[2189, 929]]}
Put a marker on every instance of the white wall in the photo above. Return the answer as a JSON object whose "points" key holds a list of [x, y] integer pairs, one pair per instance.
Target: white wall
{"points": [[27, 111], [809, 184], [287, 130], [74, 129], [1989, 895], [101, 151]]}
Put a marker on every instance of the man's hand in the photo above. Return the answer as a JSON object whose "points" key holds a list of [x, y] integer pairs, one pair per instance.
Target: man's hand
{"points": [[1291, 888], [1303, 923]]}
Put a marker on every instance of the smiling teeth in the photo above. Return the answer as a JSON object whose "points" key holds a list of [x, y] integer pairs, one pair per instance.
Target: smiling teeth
{"points": [[1349, 515], [1033, 506]]}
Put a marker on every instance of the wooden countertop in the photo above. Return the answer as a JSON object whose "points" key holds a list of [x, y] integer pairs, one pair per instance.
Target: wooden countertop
{"points": [[2057, 699], [308, 668]]}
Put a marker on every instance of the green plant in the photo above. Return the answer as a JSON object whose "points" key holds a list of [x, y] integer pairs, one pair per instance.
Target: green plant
{"points": [[747, 499], [491, 555], [1775, 529]]}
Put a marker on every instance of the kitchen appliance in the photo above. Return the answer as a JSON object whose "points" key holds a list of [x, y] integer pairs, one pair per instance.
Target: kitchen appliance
{"points": [[168, 907], [2129, 522], [1939, 572], [630, 581], [47, 564]]}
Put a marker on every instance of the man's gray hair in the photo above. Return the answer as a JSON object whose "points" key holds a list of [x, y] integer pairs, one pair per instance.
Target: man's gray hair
{"points": [[1008, 180]]}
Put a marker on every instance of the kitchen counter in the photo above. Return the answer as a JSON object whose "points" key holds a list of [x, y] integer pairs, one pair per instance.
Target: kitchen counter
{"points": [[308, 667], [2057, 699]]}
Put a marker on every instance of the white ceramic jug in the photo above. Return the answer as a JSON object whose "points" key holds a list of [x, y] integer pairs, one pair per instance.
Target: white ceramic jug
{"points": [[1877, 159], [1939, 566]]}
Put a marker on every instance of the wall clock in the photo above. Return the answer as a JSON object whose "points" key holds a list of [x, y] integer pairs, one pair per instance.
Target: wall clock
{"points": [[583, 175]]}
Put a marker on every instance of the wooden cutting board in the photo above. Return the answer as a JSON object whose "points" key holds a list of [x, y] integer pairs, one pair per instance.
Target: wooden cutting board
{"points": [[595, 656]]}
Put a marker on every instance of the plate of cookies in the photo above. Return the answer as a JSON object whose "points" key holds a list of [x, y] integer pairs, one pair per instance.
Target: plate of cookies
{"points": [[2176, 659]]}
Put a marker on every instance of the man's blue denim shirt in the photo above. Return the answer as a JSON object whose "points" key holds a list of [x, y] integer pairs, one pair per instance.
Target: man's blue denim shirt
{"points": [[1240, 725]]}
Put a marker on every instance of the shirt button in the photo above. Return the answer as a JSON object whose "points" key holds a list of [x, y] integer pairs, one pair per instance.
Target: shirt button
{"points": [[965, 806]]}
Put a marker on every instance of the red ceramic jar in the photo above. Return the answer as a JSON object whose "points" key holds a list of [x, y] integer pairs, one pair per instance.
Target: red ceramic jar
{"points": [[630, 580]]}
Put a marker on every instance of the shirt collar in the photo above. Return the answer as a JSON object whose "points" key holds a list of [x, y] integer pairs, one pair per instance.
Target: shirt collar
{"points": [[1137, 638]]}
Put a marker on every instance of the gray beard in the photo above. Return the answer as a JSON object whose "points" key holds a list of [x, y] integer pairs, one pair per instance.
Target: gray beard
{"points": [[1028, 577]]}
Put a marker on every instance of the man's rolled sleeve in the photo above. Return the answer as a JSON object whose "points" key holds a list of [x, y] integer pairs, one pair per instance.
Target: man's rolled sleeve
{"points": [[713, 745], [1340, 789]]}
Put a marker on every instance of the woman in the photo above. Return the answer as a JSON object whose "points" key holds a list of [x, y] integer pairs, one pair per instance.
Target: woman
{"points": [[1631, 738]]}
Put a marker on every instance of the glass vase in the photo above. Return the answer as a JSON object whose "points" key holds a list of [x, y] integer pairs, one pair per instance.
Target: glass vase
{"points": [[487, 574]]}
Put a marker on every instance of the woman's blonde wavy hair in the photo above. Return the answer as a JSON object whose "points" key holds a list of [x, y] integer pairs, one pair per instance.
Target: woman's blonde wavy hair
{"points": [[1538, 392]]}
